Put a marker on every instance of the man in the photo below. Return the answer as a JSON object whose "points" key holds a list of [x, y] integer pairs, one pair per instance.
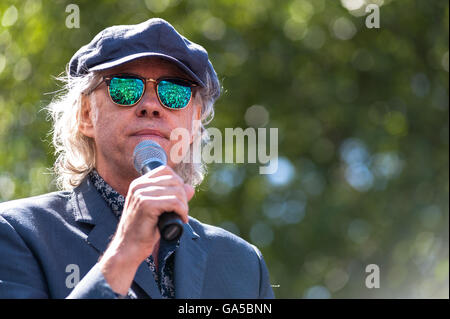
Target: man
{"points": [[98, 238]]}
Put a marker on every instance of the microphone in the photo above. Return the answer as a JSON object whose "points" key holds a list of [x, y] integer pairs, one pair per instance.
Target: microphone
{"points": [[149, 155]]}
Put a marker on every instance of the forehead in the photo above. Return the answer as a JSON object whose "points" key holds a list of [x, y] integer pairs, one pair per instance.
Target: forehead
{"points": [[149, 67]]}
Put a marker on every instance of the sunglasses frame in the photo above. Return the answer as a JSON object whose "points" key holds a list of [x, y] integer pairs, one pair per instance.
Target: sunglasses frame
{"points": [[107, 80]]}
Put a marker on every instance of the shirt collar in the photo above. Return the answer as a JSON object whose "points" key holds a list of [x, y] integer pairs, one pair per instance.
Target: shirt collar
{"points": [[114, 200]]}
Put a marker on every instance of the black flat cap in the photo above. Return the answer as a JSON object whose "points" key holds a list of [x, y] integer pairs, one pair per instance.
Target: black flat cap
{"points": [[153, 38]]}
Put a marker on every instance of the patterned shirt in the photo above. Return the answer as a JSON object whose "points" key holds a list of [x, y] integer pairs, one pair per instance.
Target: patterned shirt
{"points": [[164, 275]]}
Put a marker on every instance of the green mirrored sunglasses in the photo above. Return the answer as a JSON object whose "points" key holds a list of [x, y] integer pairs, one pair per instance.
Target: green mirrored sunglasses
{"points": [[128, 90]]}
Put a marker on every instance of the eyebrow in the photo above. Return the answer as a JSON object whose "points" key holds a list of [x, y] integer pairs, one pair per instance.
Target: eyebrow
{"points": [[146, 78]]}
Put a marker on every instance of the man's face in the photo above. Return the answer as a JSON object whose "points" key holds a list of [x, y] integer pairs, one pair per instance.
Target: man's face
{"points": [[116, 130]]}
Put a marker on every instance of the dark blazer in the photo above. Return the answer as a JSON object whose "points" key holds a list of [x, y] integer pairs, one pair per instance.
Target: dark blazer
{"points": [[50, 245]]}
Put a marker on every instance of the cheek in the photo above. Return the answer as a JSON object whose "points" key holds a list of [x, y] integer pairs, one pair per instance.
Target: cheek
{"points": [[182, 119], [105, 117], [181, 139], [106, 126]]}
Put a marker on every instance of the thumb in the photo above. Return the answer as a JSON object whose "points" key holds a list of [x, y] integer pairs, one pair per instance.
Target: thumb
{"points": [[189, 191]]}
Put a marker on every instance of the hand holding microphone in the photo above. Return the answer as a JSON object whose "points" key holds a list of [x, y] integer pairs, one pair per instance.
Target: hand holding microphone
{"points": [[156, 203], [147, 156], [159, 192]]}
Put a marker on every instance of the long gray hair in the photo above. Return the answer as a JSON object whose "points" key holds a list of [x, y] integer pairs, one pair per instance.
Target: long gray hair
{"points": [[75, 152]]}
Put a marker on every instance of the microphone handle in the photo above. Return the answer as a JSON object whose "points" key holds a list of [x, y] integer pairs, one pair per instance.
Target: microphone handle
{"points": [[170, 226], [169, 223]]}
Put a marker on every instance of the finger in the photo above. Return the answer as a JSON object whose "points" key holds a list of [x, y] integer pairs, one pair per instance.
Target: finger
{"points": [[190, 191], [158, 194], [167, 203], [161, 180], [161, 171], [156, 191]]}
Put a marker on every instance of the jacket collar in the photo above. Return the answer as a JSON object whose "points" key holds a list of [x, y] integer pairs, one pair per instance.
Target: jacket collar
{"points": [[190, 265], [190, 258]]}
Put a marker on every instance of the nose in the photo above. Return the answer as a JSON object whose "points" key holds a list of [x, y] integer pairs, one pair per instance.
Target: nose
{"points": [[149, 104]]}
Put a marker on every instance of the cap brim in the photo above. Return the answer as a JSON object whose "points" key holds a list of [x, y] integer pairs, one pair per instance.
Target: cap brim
{"points": [[128, 58]]}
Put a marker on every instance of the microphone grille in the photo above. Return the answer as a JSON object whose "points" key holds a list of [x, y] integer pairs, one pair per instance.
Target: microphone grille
{"points": [[148, 152]]}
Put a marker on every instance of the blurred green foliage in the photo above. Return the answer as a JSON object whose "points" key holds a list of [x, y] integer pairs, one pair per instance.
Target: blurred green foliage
{"points": [[362, 116]]}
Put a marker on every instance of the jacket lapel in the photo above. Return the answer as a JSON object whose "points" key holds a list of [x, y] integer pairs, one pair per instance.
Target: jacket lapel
{"points": [[190, 265], [90, 208]]}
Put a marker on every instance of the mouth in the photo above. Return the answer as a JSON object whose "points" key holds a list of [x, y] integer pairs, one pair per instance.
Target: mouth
{"points": [[149, 133]]}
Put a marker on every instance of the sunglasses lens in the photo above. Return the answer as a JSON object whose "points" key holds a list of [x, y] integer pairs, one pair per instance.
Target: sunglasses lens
{"points": [[126, 91], [174, 94]]}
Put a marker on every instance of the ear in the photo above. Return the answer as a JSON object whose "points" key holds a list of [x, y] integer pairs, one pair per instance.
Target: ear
{"points": [[198, 112], [85, 117], [196, 122]]}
